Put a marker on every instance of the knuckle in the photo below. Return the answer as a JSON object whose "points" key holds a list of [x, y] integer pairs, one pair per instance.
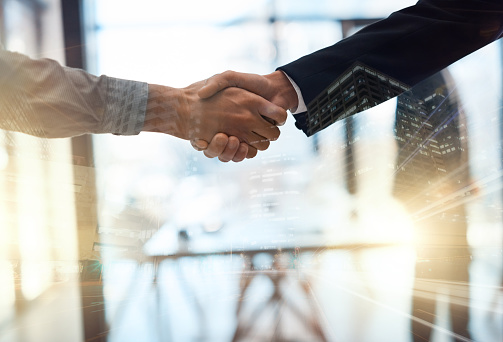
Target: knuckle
{"points": [[220, 142], [233, 143], [227, 73], [243, 147], [241, 153]]}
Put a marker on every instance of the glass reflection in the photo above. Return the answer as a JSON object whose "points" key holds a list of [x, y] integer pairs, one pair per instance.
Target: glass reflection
{"points": [[371, 220], [384, 226], [433, 182], [384, 233]]}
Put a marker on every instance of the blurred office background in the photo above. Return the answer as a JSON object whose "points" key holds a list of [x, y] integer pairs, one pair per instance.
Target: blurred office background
{"points": [[109, 238]]}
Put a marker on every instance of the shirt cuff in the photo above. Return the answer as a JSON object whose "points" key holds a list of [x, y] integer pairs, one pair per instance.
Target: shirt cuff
{"points": [[125, 107], [301, 107]]}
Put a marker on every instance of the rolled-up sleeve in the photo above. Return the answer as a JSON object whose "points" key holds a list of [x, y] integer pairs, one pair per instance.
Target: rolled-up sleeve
{"points": [[42, 98]]}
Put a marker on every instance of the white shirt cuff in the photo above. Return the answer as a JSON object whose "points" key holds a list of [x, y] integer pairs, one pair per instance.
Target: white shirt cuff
{"points": [[301, 107]]}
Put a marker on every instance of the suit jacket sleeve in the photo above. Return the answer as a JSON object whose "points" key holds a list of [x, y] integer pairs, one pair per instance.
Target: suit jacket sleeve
{"points": [[410, 45]]}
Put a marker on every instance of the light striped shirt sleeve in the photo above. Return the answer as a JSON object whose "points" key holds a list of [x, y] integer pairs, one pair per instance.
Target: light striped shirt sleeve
{"points": [[42, 98]]}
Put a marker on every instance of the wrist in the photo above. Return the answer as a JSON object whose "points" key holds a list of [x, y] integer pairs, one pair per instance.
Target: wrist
{"points": [[165, 111], [285, 95]]}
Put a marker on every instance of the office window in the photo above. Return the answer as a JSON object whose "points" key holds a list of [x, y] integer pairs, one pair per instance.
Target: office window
{"points": [[156, 196]]}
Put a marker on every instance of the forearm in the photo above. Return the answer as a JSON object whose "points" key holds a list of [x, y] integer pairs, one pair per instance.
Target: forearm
{"points": [[409, 46], [43, 98]]}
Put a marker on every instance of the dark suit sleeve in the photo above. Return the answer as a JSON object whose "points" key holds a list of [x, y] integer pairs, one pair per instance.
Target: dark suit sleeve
{"points": [[410, 45]]}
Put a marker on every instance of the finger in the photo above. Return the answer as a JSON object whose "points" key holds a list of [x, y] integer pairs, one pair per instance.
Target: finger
{"points": [[241, 153], [273, 113], [260, 142], [252, 152], [199, 144], [261, 129], [270, 133], [217, 145], [230, 150], [251, 82]]}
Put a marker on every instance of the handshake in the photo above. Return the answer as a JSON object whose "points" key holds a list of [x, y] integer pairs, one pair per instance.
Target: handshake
{"points": [[230, 115]]}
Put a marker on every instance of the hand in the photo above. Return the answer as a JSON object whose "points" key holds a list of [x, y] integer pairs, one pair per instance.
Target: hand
{"points": [[274, 87], [225, 148], [233, 111]]}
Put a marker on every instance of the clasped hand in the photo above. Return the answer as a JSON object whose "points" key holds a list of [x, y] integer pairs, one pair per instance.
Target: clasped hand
{"points": [[229, 116], [274, 87]]}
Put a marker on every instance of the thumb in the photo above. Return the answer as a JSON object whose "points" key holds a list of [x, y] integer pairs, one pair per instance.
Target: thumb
{"points": [[251, 82]]}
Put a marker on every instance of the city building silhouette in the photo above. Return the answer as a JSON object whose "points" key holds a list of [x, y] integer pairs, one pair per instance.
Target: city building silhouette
{"points": [[359, 88], [431, 180]]}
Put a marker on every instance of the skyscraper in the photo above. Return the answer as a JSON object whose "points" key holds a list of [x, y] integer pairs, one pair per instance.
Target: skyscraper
{"points": [[430, 180], [359, 88], [431, 138]]}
